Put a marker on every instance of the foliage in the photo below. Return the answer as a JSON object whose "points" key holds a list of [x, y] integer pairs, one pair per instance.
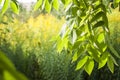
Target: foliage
{"points": [[85, 32], [28, 46], [104, 73]]}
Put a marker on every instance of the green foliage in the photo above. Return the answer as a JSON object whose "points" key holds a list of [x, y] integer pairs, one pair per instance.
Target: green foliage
{"points": [[86, 20], [87, 23]]}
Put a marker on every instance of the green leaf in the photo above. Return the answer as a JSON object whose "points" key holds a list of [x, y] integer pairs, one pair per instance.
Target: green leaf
{"points": [[98, 24], [8, 76], [97, 16], [5, 64], [110, 46], [14, 7], [103, 60], [82, 62], [62, 43], [94, 53], [101, 37], [114, 51], [37, 5], [56, 4], [75, 56], [5, 6], [47, 6], [63, 1], [74, 10], [114, 61], [89, 66], [117, 1], [110, 64]]}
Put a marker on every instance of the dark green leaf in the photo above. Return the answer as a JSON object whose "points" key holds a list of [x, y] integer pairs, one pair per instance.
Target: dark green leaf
{"points": [[114, 61], [110, 64], [98, 24], [97, 16], [113, 50]]}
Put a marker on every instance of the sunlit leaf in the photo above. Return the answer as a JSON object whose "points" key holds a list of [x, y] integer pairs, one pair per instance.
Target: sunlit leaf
{"points": [[8, 76], [75, 56], [56, 4], [103, 60], [89, 66], [14, 7], [48, 6], [82, 62], [101, 37], [5, 6], [37, 5]]}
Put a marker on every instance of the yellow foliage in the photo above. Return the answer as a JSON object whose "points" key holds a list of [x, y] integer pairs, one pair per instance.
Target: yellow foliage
{"points": [[33, 32], [114, 16]]}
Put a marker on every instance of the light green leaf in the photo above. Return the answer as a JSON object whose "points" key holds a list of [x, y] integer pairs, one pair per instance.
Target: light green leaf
{"points": [[37, 5], [82, 62], [89, 66], [8, 76], [5, 64], [14, 7], [47, 6], [75, 56], [5, 6], [56, 4], [117, 1], [101, 37], [103, 60], [110, 64], [62, 44]]}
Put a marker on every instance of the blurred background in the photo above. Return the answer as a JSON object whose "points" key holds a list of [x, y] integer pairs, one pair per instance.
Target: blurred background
{"points": [[27, 40]]}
